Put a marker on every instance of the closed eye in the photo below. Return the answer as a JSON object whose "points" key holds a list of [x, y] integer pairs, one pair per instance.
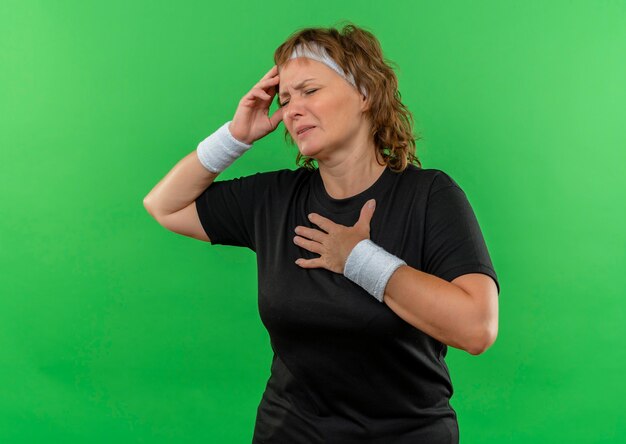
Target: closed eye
{"points": [[310, 91]]}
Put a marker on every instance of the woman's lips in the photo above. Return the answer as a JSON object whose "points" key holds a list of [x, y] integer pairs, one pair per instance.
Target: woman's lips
{"points": [[305, 132]]}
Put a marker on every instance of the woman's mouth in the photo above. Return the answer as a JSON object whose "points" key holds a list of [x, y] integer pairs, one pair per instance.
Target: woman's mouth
{"points": [[305, 131]]}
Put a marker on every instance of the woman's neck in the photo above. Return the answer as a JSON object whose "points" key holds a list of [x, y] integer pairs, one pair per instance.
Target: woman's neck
{"points": [[351, 176]]}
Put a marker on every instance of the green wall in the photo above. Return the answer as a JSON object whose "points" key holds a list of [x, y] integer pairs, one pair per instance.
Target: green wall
{"points": [[113, 328]]}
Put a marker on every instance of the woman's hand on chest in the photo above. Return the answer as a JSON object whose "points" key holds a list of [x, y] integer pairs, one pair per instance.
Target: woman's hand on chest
{"points": [[335, 242]]}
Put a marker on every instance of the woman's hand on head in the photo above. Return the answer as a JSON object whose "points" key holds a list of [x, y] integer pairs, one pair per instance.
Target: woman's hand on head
{"points": [[252, 121]]}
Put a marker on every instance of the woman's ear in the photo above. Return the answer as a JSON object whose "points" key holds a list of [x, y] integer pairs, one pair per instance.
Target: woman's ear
{"points": [[365, 103]]}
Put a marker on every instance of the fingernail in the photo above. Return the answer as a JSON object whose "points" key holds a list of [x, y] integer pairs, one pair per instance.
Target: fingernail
{"points": [[372, 203]]}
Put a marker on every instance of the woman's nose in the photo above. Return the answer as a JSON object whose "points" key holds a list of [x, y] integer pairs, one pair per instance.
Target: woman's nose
{"points": [[294, 108]]}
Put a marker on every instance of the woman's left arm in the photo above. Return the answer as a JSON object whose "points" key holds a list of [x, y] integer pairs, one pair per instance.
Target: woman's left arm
{"points": [[462, 313]]}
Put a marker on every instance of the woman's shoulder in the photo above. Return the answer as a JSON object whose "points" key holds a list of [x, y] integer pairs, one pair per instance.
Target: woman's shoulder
{"points": [[285, 176], [281, 176], [432, 179]]}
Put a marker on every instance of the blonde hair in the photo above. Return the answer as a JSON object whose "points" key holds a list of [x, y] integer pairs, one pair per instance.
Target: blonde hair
{"points": [[357, 51]]}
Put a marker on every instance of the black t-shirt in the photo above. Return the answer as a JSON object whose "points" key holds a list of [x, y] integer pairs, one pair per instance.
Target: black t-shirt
{"points": [[346, 368]]}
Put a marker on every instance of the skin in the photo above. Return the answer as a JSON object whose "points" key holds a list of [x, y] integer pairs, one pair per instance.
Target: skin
{"points": [[462, 313], [340, 143]]}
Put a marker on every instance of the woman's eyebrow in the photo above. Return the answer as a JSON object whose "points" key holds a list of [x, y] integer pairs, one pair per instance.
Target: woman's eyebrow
{"points": [[298, 86]]}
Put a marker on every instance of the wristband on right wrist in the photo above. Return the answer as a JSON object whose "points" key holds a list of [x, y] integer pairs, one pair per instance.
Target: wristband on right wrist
{"points": [[220, 149]]}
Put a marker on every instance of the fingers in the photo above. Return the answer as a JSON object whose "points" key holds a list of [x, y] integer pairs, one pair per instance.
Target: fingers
{"points": [[311, 233], [315, 247], [271, 81], [367, 212], [253, 95], [268, 83], [271, 73], [310, 263], [257, 93], [261, 94], [259, 90], [277, 117]]}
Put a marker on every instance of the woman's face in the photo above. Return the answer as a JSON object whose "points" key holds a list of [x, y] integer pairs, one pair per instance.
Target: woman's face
{"points": [[312, 94]]}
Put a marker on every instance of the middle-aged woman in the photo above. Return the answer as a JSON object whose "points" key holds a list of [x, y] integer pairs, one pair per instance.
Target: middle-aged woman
{"points": [[360, 300]]}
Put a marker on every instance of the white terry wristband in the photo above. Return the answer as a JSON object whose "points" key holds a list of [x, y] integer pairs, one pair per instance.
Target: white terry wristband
{"points": [[371, 266], [220, 149]]}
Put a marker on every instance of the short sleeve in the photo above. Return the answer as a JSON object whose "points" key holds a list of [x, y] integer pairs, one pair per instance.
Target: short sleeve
{"points": [[453, 242], [226, 211]]}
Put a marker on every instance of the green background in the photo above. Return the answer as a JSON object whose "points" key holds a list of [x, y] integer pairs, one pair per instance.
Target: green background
{"points": [[115, 329]]}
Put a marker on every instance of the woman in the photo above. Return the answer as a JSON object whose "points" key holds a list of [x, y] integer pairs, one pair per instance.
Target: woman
{"points": [[360, 301]]}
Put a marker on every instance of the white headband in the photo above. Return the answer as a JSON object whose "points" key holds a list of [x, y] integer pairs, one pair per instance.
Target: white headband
{"points": [[321, 55]]}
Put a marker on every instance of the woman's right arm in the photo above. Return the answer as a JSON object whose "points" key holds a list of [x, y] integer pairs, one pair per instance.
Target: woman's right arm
{"points": [[172, 201]]}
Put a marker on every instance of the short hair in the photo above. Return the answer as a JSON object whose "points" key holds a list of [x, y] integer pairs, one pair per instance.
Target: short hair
{"points": [[358, 52]]}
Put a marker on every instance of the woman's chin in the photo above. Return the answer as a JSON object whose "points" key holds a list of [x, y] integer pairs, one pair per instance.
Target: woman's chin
{"points": [[308, 150]]}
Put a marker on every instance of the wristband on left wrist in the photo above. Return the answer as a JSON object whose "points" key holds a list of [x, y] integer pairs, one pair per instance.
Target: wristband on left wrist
{"points": [[371, 267]]}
